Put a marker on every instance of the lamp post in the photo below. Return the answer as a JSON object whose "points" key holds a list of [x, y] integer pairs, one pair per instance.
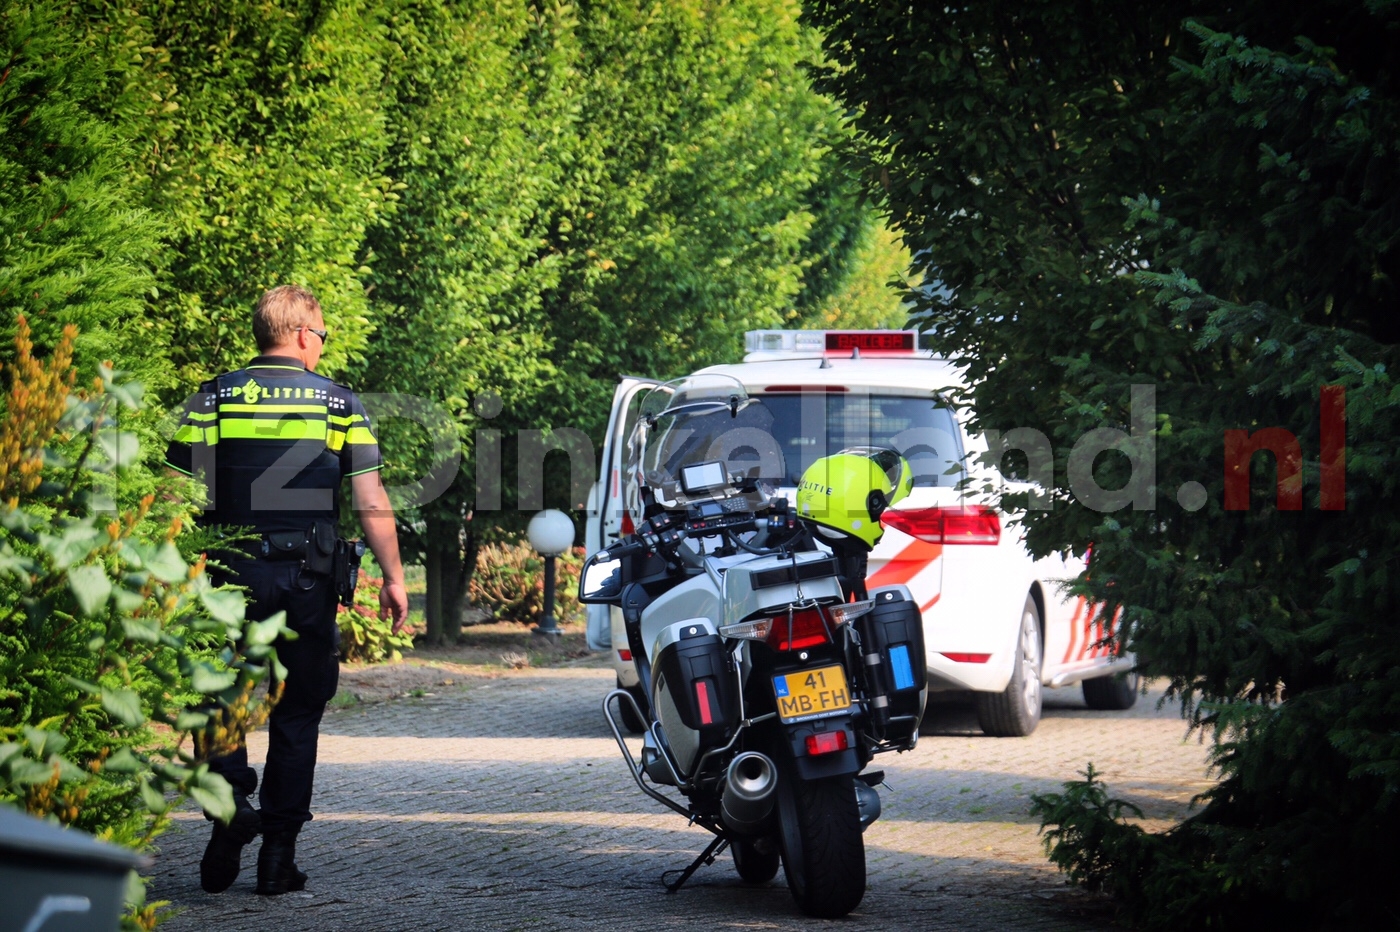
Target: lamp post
{"points": [[551, 532]]}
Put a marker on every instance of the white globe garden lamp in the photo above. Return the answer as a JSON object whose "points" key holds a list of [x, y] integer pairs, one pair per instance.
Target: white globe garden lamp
{"points": [[551, 533]]}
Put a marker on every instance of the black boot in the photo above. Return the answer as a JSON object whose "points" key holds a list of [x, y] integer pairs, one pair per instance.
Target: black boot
{"points": [[219, 867], [277, 868]]}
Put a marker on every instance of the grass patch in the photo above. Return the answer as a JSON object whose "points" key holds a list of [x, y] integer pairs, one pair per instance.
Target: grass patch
{"points": [[343, 700]]}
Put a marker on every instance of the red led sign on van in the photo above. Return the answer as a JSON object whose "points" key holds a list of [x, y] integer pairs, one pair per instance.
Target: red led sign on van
{"points": [[885, 341]]}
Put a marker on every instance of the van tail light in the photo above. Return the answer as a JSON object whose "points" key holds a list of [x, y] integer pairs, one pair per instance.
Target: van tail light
{"points": [[956, 524], [827, 742], [628, 528], [808, 629]]}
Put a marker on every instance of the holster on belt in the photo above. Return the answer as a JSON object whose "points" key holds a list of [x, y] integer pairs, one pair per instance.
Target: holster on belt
{"points": [[315, 547], [347, 569]]}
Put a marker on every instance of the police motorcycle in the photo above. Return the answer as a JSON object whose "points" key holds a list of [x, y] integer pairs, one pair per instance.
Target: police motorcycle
{"points": [[770, 677]]}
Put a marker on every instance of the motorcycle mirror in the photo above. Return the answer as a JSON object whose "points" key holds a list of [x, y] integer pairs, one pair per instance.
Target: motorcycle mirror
{"points": [[600, 580]]}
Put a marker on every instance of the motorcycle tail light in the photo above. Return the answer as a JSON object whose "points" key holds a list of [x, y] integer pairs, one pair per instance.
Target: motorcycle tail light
{"points": [[826, 742], [624, 655], [958, 524], [807, 629]]}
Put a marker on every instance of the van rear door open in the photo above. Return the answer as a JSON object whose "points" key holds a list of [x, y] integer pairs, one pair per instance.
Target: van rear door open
{"points": [[606, 507]]}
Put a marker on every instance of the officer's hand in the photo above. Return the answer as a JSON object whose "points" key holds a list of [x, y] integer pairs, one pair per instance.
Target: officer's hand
{"points": [[393, 603]]}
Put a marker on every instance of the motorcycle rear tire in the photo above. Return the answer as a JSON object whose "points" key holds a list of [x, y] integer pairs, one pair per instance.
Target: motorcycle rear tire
{"points": [[754, 866], [822, 846]]}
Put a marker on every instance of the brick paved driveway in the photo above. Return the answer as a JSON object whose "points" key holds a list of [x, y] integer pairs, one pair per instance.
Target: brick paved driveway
{"points": [[501, 803]]}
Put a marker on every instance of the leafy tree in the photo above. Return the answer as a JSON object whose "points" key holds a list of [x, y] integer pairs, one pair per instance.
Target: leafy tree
{"points": [[586, 190], [703, 198], [76, 248], [872, 294], [476, 97], [1203, 200], [262, 161]]}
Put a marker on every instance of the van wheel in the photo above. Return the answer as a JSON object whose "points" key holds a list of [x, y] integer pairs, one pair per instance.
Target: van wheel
{"points": [[633, 725], [1015, 711], [1112, 693]]}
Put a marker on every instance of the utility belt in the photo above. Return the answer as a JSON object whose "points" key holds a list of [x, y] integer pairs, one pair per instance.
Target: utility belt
{"points": [[320, 552]]}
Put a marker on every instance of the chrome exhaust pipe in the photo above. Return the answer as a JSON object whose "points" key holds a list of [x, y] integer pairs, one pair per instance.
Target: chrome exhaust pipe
{"points": [[749, 787]]}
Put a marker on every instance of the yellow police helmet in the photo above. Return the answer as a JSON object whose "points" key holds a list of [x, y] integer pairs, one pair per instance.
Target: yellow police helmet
{"points": [[845, 493], [896, 468]]}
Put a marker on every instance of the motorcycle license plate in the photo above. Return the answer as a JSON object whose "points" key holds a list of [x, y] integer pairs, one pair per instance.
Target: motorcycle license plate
{"points": [[813, 693]]}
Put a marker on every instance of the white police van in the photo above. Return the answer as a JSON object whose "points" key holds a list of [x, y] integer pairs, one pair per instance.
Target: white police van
{"points": [[996, 621]]}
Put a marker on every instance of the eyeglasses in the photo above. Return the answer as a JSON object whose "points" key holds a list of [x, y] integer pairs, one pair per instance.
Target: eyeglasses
{"points": [[323, 334]]}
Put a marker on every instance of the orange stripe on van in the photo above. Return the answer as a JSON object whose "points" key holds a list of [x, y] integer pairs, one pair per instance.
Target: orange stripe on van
{"points": [[929, 604], [1088, 632], [1073, 630], [906, 564], [1097, 648], [1106, 626], [1109, 631]]}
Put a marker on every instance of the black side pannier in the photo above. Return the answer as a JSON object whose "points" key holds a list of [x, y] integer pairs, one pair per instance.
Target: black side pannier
{"points": [[896, 668], [700, 683]]}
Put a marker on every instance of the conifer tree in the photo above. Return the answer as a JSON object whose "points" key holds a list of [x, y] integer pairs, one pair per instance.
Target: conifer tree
{"points": [[75, 245], [1203, 201]]}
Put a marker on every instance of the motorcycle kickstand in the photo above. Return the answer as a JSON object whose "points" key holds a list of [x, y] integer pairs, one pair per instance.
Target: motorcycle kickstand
{"points": [[712, 851]]}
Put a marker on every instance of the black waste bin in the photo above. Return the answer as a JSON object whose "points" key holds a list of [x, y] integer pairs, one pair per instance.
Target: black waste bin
{"points": [[56, 879]]}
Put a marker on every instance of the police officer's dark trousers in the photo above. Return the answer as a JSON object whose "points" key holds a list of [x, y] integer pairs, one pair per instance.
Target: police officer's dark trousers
{"points": [[313, 671]]}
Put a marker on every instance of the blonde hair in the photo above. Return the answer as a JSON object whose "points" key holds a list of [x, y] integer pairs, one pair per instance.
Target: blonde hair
{"points": [[280, 312]]}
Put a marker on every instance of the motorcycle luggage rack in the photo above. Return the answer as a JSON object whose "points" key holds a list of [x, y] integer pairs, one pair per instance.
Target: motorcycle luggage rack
{"points": [[623, 695], [721, 840]]}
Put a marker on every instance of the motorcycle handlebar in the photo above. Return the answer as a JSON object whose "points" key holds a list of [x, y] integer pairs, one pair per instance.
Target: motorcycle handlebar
{"points": [[666, 536], [621, 550]]}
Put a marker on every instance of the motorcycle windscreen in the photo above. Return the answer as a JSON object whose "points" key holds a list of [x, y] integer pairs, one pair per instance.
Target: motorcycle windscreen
{"points": [[698, 424]]}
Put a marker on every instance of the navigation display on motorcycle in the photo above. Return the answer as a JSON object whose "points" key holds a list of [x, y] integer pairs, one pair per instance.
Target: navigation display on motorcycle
{"points": [[704, 477]]}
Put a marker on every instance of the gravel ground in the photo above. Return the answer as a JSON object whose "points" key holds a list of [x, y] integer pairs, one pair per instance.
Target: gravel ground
{"points": [[500, 802]]}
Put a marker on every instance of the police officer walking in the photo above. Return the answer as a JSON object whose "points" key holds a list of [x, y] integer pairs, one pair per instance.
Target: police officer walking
{"points": [[272, 442]]}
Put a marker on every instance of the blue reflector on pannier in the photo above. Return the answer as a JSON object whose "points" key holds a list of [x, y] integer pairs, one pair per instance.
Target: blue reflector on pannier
{"points": [[903, 670]]}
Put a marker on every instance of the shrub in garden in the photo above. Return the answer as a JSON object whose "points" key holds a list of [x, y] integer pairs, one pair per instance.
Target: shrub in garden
{"points": [[509, 582], [364, 636], [115, 648]]}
